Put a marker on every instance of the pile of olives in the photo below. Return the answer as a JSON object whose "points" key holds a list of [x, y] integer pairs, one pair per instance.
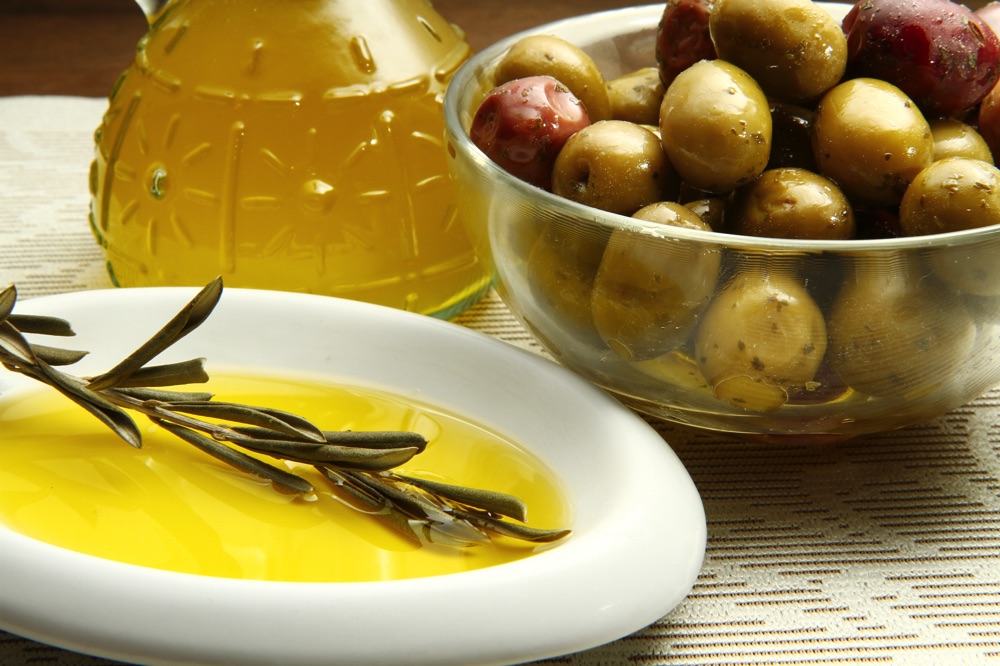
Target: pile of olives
{"points": [[766, 118]]}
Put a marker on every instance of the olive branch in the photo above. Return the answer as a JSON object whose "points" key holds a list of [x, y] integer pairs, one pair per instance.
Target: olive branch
{"points": [[358, 464]]}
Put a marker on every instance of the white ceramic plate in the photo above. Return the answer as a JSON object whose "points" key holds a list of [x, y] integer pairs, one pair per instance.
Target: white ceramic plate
{"points": [[638, 523]]}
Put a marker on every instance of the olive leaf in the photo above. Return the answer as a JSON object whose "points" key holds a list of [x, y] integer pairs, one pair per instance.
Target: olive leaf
{"points": [[372, 460], [487, 500], [376, 439], [95, 403], [170, 374], [189, 318], [381, 510], [265, 418], [426, 520], [57, 356], [509, 529], [432, 511], [282, 480], [8, 297], [163, 396], [118, 421], [40, 324], [14, 349], [14, 326], [366, 439]]}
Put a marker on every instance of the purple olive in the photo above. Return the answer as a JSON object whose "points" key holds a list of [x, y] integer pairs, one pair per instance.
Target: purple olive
{"points": [[941, 54]]}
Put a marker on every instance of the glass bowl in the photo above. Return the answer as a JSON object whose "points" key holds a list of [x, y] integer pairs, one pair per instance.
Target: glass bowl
{"points": [[766, 338]]}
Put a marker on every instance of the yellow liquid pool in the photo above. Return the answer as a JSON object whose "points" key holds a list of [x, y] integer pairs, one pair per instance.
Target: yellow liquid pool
{"points": [[293, 146], [66, 480]]}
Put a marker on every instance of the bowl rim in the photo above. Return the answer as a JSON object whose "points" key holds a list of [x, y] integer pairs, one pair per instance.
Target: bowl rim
{"points": [[644, 17]]}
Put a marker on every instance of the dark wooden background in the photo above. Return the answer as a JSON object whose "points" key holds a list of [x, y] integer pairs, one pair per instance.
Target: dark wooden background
{"points": [[79, 47]]}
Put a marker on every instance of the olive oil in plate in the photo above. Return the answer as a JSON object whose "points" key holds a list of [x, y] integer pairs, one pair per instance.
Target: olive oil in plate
{"points": [[65, 479]]}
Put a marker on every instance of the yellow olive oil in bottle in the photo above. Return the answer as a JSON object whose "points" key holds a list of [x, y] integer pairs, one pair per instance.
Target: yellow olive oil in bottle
{"points": [[287, 144]]}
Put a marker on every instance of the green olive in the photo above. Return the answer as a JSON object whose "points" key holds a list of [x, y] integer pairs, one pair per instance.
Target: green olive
{"points": [[678, 370], [792, 203], [636, 96], [672, 214], [793, 48], [761, 338], [969, 267], [649, 290], [871, 139], [715, 124], [894, 332], [711, 210], [613, 165], [952, 194], [953, 138], [548, 55], [560, 272]]}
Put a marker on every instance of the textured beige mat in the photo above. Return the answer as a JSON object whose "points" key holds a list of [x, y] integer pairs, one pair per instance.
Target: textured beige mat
{"points": [[882, 550]]}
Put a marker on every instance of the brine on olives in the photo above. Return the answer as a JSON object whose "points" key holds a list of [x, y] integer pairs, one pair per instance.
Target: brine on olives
{"points": [[538, 55], [762, 337], [561, 267], [973, 270], [988, 119], [523, 124], [715, 124], [954, 138], [944, 56], [711, 210], [952, 194], [794, 49], [792, 203], [613, 165], [955, 194], [675, 215], [636, 96], [683, 37], [648, 295], [895, 332], [871, 139]]}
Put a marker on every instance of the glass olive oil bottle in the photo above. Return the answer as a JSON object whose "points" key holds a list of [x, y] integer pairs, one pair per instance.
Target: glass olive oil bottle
{"points": [[287, 144]]}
